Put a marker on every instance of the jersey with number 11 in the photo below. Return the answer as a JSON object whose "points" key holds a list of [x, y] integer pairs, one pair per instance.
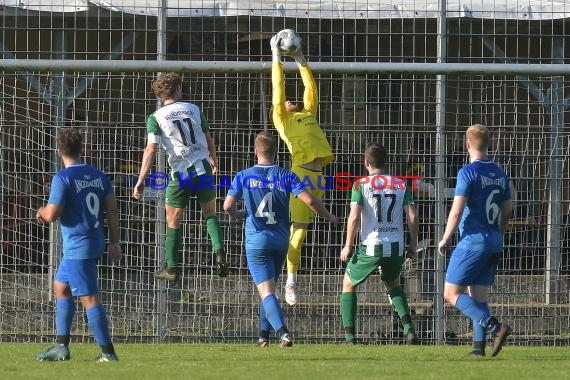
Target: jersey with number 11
{"points": [[81, 190], [181, 128], [486, 187]]}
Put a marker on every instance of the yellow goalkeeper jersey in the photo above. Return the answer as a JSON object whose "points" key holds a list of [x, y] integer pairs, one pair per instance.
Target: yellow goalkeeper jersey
{"points": [[300, 130]]}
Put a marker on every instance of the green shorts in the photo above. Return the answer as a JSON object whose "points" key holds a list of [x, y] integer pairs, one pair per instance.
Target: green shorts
{"points": [[203, 187], [362, 265]]}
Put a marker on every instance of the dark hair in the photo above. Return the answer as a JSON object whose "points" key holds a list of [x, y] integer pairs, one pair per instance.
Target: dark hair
{"points": [[165, 85], [70, 141], [375, 154], [265, 145]]}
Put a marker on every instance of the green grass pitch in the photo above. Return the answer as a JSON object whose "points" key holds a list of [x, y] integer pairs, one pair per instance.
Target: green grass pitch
{"points": [[303, 361]]}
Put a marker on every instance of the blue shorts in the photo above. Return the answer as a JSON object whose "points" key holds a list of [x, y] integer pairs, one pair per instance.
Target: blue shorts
{"points": [[265, 264], [79, 275], [472, 266]]}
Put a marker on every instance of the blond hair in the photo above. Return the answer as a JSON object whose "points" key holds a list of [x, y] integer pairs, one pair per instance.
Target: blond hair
{"points": [[478, 137], [265, 145]]}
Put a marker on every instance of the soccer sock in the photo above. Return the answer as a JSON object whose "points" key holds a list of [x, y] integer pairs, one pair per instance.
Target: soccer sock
{"points": [[273, 312], [348, 306], [264, 325], [64, 312], [173, 240], [99, 325], [400, 303], [291, 278], [479, 330], [294, 254], [215, 233], [473, 310]]}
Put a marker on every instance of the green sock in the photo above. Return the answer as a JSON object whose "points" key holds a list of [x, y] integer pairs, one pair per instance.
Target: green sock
{"points": [[215, 233], [398, 297], [173, 240], [348, 304]]}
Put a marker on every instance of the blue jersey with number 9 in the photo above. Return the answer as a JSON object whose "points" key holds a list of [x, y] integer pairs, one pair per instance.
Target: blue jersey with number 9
{"points": [[265, 190], [81, 190], [486, 186]]}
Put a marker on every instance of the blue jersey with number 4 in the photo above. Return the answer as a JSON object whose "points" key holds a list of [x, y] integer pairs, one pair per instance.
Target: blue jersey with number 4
{"points": [[265, 190], [486, 186], [81, 190]]}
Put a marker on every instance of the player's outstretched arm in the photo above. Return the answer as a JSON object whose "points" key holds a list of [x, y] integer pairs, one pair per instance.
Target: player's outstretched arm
{"points": [[316, 205], [413, 228], [147, 162], [351, 227], [452, 222], [310, 93], [277, 86], [112, 216]]}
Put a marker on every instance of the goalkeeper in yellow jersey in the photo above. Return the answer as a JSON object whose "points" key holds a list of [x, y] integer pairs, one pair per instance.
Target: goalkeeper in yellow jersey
{"points": [[309, 148]]}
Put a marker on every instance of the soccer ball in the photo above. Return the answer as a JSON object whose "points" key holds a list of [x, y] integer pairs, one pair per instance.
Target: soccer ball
{"points": [[290, 41]]}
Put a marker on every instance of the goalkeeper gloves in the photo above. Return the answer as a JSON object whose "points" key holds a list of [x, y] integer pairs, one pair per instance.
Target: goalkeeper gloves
{"points": [[274, 43], [299, 57], [221, 264]]}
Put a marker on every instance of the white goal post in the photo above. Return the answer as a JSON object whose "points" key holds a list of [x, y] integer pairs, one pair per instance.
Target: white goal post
{"points": [[353, 68]]}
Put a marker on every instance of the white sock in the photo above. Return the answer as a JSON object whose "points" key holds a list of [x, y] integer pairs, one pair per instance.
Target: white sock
{"points": [[291, 278]]}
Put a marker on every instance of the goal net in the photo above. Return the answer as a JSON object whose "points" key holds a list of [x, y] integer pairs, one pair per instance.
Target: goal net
{"points": [[396, 110], [419, 117]]}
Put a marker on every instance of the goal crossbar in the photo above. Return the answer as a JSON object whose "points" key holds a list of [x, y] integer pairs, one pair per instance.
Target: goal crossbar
{"points": [[15, 65]]}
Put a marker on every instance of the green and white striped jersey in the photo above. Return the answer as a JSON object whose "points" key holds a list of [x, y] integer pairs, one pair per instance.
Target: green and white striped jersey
{"points": [[382, 198], [181, 128]]}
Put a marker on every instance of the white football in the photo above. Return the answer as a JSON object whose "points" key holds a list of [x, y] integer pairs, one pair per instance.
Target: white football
{"points": [[290, 41]]}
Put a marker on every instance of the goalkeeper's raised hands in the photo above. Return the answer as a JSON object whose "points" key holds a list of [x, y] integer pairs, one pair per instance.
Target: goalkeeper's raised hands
{"points": [[299, 57], [274, 43]]}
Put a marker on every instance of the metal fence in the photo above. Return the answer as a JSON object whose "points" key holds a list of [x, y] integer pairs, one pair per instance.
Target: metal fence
{"points": [[420, 118]]}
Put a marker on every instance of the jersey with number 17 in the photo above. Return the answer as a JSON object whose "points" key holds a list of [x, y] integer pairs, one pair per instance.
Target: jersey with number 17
{"points": [[81, 190], [486, 187], [382, 217], [265, 190]]}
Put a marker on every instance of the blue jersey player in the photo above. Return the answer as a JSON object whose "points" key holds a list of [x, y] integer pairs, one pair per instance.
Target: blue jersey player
{"points": [[481, 208], [81, 196], [265, 190]]}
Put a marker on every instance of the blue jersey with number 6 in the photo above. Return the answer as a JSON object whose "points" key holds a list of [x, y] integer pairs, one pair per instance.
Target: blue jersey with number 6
{"points": [[81, 190], [265, 190], [486, 186]]}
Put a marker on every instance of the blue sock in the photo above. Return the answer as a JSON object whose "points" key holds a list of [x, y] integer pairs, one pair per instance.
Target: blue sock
{"points": [[64, 312], [99, 324], [264, 324], [473, 310], [273, 312], [480, 331]]}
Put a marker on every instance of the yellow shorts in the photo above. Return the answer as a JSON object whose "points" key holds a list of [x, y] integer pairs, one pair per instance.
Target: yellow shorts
{"points": [[314, 182]]}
